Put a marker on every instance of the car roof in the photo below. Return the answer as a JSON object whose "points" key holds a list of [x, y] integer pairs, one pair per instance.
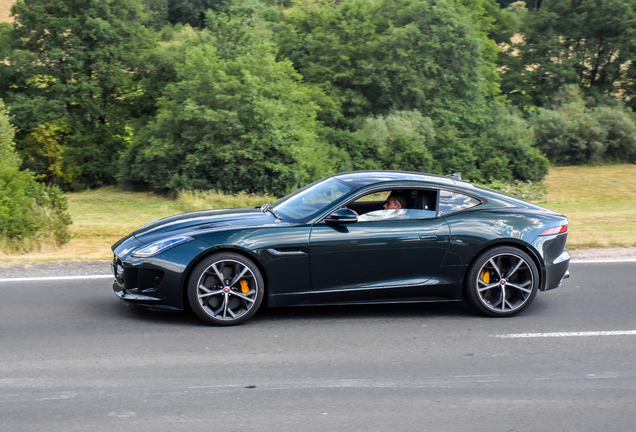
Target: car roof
{"points": [[364, 178]]}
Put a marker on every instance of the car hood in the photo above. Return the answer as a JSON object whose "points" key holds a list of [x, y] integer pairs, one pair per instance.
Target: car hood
{"points": [[194, 222]]}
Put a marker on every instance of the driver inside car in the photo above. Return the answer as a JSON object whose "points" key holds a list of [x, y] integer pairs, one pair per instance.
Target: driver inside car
{"points": [[394, 208]]}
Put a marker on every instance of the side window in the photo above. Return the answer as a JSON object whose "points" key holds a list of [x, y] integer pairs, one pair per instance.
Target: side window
{"points": [[381, 206], [451, 202]]}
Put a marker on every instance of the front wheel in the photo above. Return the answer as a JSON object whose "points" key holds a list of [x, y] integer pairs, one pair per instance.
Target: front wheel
{"points": [[225, 289], [502, 282]]}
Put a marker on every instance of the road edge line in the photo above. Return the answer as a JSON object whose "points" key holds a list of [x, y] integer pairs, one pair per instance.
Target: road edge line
{"points": [[53, 278]]}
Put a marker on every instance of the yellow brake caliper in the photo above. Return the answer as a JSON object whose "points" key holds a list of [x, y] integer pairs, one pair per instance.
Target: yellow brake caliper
{"points": [[485, 276], [244, 287]]}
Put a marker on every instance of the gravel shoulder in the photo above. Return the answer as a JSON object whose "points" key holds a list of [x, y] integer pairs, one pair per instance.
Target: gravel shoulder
{"points": [[83, 268]]}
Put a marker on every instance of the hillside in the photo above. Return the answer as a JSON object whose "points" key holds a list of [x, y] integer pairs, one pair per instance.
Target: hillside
{"points": [[5, 10]]}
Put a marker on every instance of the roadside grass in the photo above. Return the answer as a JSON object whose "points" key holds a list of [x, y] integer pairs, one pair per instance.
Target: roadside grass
{"points": [[599, 201], [200, 200], [101, 217]]}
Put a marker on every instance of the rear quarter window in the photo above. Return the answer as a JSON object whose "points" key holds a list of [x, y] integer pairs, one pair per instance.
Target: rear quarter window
{"points": [[452, 202]]}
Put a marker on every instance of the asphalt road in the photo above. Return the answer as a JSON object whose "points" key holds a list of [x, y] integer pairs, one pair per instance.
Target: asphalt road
{"points": [[74, 357]]}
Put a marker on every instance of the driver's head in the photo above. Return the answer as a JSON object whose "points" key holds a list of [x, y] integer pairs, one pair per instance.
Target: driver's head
{"points": [[395, 201]]}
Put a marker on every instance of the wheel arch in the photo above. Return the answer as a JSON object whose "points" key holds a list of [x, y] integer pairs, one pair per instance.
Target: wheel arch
{"points": [[211, 251], [525, 247]]}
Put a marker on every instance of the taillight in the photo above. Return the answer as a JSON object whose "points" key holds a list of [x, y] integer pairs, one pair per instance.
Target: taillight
{"points": [[555, 230]]}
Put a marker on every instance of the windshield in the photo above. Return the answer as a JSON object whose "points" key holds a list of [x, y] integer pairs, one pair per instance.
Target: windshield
{"points": [[308, 201]]}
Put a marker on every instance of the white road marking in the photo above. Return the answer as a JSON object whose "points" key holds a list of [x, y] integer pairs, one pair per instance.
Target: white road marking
{"points": [[568, 334], [602, 261], [53, 278]]}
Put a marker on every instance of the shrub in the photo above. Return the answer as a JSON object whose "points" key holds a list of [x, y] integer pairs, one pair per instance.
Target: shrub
{"points": [[244, 124], [529, 191], [30, 213], [502, 151], [576, 132], [397, 141], [505, 149]]}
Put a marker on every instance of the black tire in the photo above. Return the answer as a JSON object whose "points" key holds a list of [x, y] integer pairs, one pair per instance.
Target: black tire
{"points": [[502, 282], [225, 289]]}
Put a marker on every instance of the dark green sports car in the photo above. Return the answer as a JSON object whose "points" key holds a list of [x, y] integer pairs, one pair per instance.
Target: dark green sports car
{"points": [[360, 237]]}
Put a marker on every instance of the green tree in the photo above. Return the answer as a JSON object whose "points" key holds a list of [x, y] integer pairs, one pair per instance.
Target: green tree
{"points": [[375, 57], [505, 150], [30, 213], [192, 11], [231, 123], [589, 43], [399, 140], [572, 133], [156, 12], [73, 62], [47, 140]]}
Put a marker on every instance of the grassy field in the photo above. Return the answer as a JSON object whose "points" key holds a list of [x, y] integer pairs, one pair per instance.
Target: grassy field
{"points": [[600, 203]]}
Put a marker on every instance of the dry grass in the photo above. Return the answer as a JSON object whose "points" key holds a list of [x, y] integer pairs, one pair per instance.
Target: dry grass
{"points": [[201, 200], [5, 10], [100, 218], [599, 201], [103, 216]]}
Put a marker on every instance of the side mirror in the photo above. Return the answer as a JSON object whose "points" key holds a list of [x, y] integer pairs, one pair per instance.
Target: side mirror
{"points": [[342, 216]]}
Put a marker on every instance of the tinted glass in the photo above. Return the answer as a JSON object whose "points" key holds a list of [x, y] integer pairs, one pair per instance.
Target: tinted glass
{"points": [[451, 202], [310, 200]]}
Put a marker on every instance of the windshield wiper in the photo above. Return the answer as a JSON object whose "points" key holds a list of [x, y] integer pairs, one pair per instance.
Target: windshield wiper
{"points": [[266, 208]]}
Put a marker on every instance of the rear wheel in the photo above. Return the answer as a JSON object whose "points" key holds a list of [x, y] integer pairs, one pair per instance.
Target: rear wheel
{"points": [[225, 289], [502, 281]]}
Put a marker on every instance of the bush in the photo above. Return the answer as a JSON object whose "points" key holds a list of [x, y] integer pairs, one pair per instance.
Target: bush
{"points": [[506, 149], [400, 140], [245, 124], [576, 132], [502, 151], [397, 141], [529, 191], [30, 213]]}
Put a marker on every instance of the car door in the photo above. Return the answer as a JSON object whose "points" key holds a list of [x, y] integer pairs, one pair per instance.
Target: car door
{"points": [[377, 259]]}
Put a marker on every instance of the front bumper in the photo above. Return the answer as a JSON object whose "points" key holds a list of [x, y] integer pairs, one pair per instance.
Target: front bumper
{"points": [[156, 282]]}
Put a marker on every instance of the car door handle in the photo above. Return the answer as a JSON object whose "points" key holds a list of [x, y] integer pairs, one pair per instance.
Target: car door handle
{"points": [[428, 237]]}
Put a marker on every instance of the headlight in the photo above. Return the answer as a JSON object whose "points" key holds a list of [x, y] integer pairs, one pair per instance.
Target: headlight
{"points": [[157, 247]]}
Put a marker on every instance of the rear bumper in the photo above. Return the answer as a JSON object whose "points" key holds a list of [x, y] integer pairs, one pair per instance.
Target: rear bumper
{"points": [[557, 271], [556, 259]]}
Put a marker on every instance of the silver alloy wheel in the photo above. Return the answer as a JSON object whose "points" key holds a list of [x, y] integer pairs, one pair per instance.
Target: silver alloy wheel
{"points": [[227, 289], [505, 283]]}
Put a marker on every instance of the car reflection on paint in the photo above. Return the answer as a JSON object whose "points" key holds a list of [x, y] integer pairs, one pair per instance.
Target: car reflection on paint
{"points": [[333, 242]]}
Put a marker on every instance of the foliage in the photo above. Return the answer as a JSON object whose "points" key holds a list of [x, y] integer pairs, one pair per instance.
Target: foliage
{"points": [[506, 148], [399, 140], [192, 12], [526, 190], [30, 213], [587, 43], [156, 13], [48, 138], [244, 123], [73, 62], [503, 151], [378, 56], [572, 133]]}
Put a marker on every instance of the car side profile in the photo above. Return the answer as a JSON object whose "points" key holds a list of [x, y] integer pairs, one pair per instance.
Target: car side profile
{"points": [[334, 242]]}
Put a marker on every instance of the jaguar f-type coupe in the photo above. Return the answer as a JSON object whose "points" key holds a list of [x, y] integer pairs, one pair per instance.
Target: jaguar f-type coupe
{"points": [[352, 238]]}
